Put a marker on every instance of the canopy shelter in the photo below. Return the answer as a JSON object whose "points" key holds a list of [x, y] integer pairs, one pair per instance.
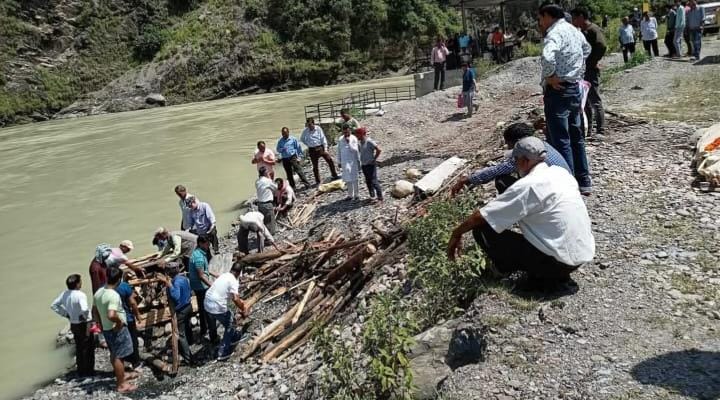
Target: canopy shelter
{"points": [[480, 4]]}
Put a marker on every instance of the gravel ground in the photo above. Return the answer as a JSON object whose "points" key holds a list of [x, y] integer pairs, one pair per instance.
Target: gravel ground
{"points": [[642, 323]]}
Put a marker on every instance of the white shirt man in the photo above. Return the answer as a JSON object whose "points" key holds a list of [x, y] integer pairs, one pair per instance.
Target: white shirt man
{"points": [[265, 188], [547, 206], [73, 305], [222, 290]]}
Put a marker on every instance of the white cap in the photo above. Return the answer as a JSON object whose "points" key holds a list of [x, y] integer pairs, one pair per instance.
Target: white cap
{"points": [[128, 244]]}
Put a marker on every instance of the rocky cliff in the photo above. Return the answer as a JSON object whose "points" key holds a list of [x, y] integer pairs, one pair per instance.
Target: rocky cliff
{"points": [[79, 57]]}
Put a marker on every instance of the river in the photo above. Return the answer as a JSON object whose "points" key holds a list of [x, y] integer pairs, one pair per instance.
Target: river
{"points": [[69, 185]]}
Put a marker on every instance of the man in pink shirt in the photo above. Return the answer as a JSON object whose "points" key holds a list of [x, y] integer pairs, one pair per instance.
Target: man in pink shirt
{"points": [[437, 58], [264, 157]]}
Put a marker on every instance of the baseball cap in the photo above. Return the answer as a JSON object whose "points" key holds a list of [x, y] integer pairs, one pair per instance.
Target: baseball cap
{"points": [[531, 148], [128, 244]]}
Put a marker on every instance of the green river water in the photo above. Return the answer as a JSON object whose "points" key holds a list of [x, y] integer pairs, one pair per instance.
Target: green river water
{"points": [[69, 185]]}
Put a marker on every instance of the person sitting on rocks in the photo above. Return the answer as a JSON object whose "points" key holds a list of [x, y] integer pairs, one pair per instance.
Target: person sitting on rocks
{"points": [[284, 197], [546, 203], [253, 221], [505, 173]]}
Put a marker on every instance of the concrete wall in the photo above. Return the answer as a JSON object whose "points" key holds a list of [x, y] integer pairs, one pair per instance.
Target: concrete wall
{"points": [[425, 81]]}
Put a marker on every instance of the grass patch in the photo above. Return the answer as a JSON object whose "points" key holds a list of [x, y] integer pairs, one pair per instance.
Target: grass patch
{"points": [[694, 99], [529, 49], [608, 74], [517, 302]]}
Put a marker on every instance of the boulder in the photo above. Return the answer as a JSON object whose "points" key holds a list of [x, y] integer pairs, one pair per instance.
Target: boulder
{"points": [[402, 189], [155, 99], [441, 349], [413, 173]]}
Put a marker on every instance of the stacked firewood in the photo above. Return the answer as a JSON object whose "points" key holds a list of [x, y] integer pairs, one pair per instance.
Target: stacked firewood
{"points": [[320, 278]]}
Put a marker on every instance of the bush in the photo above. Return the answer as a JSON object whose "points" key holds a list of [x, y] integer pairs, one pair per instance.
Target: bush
{"points": [[149, 43], [446, 285], [529, 49]]}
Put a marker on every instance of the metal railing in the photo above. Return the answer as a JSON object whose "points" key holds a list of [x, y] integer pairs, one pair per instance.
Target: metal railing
{"points": [[359, 103]]}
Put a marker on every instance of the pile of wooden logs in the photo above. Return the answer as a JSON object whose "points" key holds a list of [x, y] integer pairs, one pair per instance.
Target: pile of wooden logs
{"points": [[320, 278]]}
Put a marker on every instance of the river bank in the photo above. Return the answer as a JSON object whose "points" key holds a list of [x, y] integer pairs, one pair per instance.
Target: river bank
{"points": [[642, 323]]}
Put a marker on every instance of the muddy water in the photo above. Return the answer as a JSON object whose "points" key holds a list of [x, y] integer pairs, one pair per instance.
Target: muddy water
{"points": [[71, 184]]}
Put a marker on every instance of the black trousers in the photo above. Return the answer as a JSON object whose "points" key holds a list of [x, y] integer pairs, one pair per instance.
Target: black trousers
{"points": [[670, 42], [290, 165], [315, 154], [510, 251], [648, 44], [594, 106], [206, 323], [503, 182], [84, 348], [628, 49], [439, 76], [243, 239], [184, 332], [134, 358]]}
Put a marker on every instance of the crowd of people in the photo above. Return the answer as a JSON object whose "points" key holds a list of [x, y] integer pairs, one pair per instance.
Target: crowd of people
{"points": [[183, 255], [540, 185]]}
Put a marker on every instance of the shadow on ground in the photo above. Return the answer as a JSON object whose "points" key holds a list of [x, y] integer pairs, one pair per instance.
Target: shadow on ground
{"points": [[456, 117], [401, 158], [692, 373], [709, 60]]}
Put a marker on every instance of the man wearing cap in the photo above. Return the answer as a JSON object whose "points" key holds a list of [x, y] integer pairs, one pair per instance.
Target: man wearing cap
{"points": [[314, 138], [556, 230], [175, 245], [253, 221], [202, 221], [185, 209], [265, 190], [118, 257]]}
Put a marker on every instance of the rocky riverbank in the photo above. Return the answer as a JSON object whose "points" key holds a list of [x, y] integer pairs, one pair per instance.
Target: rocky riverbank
{"points": [[642, 322]]}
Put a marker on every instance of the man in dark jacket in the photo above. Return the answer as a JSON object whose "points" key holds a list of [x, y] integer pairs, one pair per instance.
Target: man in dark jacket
{"points": [[596, 38]]}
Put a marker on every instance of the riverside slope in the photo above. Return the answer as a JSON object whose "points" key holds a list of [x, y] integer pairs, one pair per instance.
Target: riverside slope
{"points": [[643, 323]]}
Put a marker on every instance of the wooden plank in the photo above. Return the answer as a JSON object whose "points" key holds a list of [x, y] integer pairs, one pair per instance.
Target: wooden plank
{"points": [[158, 316], [301, 306], [431, 182]]}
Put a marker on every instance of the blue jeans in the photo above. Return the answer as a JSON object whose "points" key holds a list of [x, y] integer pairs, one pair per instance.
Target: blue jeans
{"points": [[678, 41], [696, 39], [562, 113], [230, 336], [371, 180]]}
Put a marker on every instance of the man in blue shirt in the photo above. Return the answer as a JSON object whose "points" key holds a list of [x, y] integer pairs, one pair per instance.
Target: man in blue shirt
{"points": [[314, 138], [199, 275], [290, 152], [694, 21], [202, 220], [132, 313], [178, 290], [505, 173], [469, 87]]}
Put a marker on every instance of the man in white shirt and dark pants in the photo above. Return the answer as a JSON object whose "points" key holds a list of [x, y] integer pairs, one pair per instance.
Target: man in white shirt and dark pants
{"points": [[556, 230], [72, 304], [265, 190], [226, 287], [314, 138]]}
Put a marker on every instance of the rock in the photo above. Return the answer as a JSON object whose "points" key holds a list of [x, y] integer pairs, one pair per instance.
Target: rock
{"points": [[467, 346], [155, 99], [284, 389], [402, 189], [675, 294], [427, 359], [413, 173]]}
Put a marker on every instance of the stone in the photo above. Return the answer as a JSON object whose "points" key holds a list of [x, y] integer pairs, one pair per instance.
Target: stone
{"points": [[467, 346], [284, 389], [402, 189], [413, 173], [675, 294], [155, 99]]}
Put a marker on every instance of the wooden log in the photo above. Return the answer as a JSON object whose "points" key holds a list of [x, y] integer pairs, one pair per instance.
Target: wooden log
{"points": [[156, 363], [159, 316], [174, 340], [146, 281], [352, 263], [285, 290], [301, 306], [431, 182], [257, 258]]}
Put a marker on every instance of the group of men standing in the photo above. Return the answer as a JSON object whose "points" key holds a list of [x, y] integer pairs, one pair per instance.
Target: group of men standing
{"points": [[685, 20]]}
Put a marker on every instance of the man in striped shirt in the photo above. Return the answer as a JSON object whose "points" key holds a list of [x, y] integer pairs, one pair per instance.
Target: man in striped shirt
{"points": [[505, 173]]}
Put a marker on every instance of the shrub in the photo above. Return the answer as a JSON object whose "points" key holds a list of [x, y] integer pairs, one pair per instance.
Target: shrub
{"points": [[446, 285], [149, 43]]}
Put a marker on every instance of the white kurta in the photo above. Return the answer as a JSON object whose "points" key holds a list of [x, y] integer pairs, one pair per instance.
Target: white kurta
{"points": [[349, 158]]}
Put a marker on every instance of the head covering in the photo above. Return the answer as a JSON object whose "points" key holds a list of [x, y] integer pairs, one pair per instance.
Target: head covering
{"points": [[128, 244], [531, 148], [360, 131]]}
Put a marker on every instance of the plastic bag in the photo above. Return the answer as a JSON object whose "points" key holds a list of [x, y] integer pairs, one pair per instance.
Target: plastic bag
{"points": [[460, 101]]}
